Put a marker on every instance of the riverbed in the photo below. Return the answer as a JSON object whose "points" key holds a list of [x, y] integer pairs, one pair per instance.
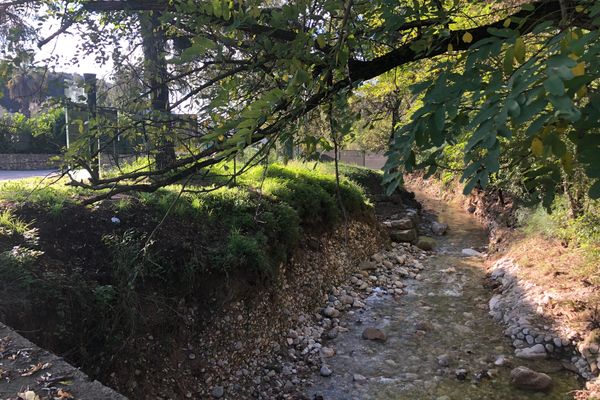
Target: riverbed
{"points": [[441, 342]]}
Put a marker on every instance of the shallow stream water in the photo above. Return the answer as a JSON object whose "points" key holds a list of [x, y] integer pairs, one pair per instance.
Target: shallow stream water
{"points": [[442, 317]]}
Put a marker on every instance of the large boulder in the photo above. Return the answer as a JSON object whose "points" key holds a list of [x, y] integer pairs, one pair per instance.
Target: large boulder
{"points": [[405, 235], [525, 378], [426, 243]]}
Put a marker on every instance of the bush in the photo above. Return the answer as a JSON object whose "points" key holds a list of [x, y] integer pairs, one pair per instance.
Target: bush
{"points": [[43, 134], [583, 231]]}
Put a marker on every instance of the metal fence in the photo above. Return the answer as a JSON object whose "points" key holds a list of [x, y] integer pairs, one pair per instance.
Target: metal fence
{"points": [[358, 157]]}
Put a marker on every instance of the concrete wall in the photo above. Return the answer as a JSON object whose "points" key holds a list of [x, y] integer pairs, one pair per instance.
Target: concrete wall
{"points": [[27, 162], [359, 157], [32, 162]]}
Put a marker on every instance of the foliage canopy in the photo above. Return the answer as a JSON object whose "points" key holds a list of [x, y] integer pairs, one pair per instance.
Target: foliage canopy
{"points": [[517, 78]]}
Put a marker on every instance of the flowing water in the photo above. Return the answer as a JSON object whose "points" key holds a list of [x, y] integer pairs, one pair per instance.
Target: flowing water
{"points": [[442, 317]]}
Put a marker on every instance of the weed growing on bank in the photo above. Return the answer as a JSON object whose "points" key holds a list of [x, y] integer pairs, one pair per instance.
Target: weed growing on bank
{"points": [[581, 233]]}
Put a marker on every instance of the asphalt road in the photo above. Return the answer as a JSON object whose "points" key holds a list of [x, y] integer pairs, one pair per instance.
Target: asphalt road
{"points": [[13, 175]]}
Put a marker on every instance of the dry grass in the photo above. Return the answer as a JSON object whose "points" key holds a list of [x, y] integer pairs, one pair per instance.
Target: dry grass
{"points": [[566, 271]]}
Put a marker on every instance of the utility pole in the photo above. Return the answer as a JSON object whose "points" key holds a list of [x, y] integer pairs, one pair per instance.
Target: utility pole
{"points": [[91, 94]]}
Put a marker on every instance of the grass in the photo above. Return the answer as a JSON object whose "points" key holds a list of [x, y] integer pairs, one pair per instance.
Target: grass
{"points": [[252, 227], [580, 235], [39, 192], [12, 225]]}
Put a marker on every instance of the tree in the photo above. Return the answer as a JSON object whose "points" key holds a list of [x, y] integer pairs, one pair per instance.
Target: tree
{"points": [[251, 70]]}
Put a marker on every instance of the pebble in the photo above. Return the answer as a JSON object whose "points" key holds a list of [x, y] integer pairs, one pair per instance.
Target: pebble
{"points": [[443, 360], [358, 378], [374, 334], [218, 392], [331, 312], [325, 370], [461, 374], [500, 361], [327, 352]]}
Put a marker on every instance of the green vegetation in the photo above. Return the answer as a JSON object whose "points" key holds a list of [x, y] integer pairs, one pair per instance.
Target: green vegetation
{"points": [[582, 232], [44, 133], [11, 225], [514, 85], [172, 243]]}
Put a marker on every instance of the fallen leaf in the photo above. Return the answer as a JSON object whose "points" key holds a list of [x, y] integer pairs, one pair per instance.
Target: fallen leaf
{"points": [[33, 369], [63, 394], [28, 395]]}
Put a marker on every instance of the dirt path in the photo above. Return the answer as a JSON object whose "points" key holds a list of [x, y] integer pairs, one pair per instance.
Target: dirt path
{"points": [[441, 343]]}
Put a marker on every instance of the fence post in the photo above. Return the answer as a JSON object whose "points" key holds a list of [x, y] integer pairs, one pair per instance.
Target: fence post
{"points": [[91, 94]]}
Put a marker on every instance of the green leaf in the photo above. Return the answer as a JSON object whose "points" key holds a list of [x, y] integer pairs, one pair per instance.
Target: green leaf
{"points": [[440, 118], [520, 50], [513, 108], [555, 86], [542, 27], [509, 58], [321, 41]]}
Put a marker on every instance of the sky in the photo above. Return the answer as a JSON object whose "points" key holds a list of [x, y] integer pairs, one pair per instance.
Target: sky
{"points": [[65, 47]]}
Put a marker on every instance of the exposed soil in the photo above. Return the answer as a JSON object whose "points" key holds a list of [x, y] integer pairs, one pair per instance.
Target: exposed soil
{"points": [[177, 342]]}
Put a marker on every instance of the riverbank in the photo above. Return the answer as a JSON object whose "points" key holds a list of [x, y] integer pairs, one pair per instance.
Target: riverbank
{"points": [[167, 297], [546, 291], [434, 339]]}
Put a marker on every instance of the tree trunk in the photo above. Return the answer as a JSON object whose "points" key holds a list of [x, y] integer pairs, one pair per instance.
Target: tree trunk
{"points": [[156, 76], [575, 202], [396, 103]]}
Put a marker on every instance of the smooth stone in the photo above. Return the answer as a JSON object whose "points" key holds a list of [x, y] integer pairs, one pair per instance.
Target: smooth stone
{"points": [[531, 353], [327, 352], [472, 253], [443, 360], [218, 392], [374, 334], [325, 371], [525, 378], [439, 228], [500, 361], [358, 378], [331, 312]]}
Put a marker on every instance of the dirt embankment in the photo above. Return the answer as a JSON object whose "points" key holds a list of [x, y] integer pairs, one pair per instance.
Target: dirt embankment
{"points": [[544, 292], [226, 336]]}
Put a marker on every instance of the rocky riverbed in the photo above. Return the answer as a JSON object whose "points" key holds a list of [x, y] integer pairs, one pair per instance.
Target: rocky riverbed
{"points": [[415, 325]]}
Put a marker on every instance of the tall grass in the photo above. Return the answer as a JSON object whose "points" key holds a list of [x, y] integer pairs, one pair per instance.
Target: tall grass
{"points": [[12, 225], [582, 232]]}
